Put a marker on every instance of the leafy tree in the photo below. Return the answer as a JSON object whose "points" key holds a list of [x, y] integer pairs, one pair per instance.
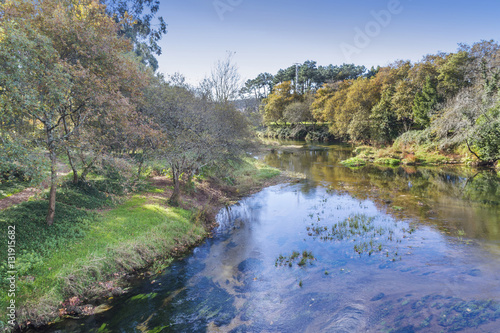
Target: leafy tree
{"points": [[486, 136], [452, 74], [424, 102], [402, 103], [334, 110], [145, 31], [298, 112], [322, 96], [195, 132], [63, 62], [258, 88], [383, 118], [34, 80], [276, 103], [363, 95]]}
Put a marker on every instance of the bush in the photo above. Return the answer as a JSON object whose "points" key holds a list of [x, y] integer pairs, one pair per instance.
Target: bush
{"points": [[388, 161], [120, 176], [82, 195], [412, 138], [354, 162], [20, 162]]}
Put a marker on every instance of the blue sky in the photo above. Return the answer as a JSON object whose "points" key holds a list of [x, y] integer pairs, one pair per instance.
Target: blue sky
{"points": [[274, 34]]}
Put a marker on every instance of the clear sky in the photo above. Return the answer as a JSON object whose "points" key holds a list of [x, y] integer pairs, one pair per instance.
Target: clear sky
{"points": [[273, 34]]}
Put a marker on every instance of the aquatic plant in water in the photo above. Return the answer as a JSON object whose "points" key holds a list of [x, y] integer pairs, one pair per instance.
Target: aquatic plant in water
{"points": [[362, 230], [307, 257]]}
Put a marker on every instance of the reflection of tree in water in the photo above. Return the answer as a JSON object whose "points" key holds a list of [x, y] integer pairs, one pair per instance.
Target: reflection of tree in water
{"points": [[484, 187], [452, 198]]}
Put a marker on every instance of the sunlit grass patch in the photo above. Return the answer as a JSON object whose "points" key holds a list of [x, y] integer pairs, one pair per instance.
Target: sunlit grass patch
{"points": [[83, 249], [387, 161], [354, 162]]}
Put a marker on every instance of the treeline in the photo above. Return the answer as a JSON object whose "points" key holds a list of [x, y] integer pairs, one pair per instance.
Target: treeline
{"points": [[445, 101], [305, 78], [77, 83]]}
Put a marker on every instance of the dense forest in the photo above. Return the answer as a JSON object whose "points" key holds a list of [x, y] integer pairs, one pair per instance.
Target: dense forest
{"points": [[77, 81], [447, 101]]}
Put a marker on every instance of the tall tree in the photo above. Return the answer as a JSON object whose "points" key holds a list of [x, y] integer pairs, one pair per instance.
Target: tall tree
{"points": [[276, 103], [69, 61], [424, 103], [145, 30], [224, 82]]}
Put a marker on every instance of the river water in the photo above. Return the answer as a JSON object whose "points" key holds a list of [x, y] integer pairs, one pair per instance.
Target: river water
{"points": [[373, 249]]}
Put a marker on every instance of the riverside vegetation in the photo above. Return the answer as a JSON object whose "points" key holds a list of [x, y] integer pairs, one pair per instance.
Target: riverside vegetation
{"points": [[97, 107], [79, 89], [105, 234], [442, 109]]}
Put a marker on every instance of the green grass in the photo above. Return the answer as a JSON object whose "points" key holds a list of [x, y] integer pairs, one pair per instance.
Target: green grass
{"points": [[433, 158], [82, 195], [10, 187], [354, 162], [387, 161], [244, 174], [84, 248]]}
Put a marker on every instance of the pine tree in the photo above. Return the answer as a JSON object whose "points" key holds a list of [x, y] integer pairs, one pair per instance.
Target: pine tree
{"points": [[424, 102]]}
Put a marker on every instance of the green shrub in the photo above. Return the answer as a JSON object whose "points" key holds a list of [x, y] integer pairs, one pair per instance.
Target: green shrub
{"points": [[353, 162], [21, 162], [82, 195], [119, 176], [387, 161], [366, 150]]}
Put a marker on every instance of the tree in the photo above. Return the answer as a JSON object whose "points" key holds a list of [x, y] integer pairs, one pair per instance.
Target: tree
{"points": [[402, 103], [362, 96], [63, 64], [334, 110], [258, 88], [298, 112], [143, 31], [35, 81], [224, 81], [452, 74], [383, 118], [195, 132], [276, 103], [424, 103]]}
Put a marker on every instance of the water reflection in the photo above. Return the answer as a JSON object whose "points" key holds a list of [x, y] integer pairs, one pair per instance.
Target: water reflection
{"points": [[453, 198], [391, 250]]}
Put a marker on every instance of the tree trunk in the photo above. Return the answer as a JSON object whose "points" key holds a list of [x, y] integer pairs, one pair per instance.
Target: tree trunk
{"points": [[87, 168], [174, 199], [139, 169], [73, 167], [70, 159], [53, 183], [141, 163]]}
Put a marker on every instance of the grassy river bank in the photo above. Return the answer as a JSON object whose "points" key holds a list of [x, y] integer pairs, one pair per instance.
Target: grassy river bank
{"points": [[100, 242]]}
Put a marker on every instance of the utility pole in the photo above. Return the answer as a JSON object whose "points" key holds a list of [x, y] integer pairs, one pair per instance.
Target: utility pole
{"points": [[296, 76]]}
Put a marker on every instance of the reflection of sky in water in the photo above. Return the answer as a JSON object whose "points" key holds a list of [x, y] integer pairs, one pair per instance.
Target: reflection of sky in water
{"points": [[426, 280]]}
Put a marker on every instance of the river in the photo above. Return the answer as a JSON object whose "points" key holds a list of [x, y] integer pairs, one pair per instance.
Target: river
{"points": [[374, 249]]}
